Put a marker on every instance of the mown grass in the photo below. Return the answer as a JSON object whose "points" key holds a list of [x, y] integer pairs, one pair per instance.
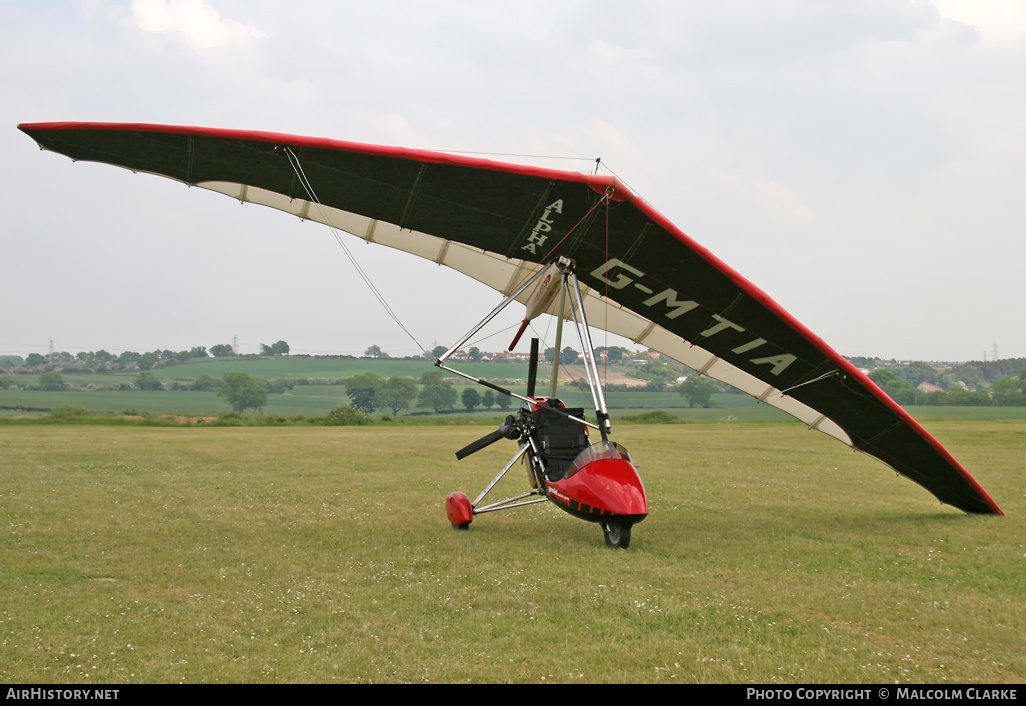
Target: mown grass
{"points": [[772, 554]]}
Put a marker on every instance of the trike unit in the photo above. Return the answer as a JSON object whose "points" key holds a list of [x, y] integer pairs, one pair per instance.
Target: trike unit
{"points": [[597, 482]]}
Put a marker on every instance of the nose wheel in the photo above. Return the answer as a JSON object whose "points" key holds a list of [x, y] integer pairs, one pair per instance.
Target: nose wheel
{"points": [[617, 534]]}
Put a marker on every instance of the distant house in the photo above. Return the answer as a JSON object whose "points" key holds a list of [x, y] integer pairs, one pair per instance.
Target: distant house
{"points": [[506, 357]]}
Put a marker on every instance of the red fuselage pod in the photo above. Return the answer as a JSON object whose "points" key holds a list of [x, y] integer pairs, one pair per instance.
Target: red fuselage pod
{"points": [[603, 484]]}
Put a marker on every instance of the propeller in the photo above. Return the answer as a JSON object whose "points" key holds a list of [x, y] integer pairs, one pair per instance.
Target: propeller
{"points": [[507, 430]]}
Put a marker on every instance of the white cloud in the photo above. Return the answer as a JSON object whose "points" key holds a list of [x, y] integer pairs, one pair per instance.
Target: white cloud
{"points": [[399, 130], [781, 199], [192, 22], [607, 136], [774, 195], [999, 21]]}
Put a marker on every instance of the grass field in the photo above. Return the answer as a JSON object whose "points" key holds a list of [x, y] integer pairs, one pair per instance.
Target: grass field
{"points": [[771, 554]]}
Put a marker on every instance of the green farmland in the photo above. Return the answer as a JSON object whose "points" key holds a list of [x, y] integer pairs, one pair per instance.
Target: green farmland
{"points": [[310, 554], [318, 400]]}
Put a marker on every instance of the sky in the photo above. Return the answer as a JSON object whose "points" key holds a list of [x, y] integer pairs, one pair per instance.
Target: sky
{"points": [[860, 161]]}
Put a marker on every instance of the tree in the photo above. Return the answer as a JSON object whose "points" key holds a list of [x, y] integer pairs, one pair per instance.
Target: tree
{"points": [[475, 354], [959, 397], [658, 375], [362, 391], [52, 382], [614, 354], [568, 356], [504, 402], [919, 372], [375, 352], [901, 391], [432, 377], [347, 417], [471, 399], [437, 397], [34, 359], [882, 376], [397, 393], [436, 392], [205, 382], [897, 388], [148, 381], [243, 391], [277, 348], [221, 350], [279, 386], [487, 399], [147, 360], [696, 391], [1010, 392]]}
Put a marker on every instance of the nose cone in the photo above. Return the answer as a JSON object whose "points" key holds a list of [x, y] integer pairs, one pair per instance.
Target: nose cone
{"points": [[603, 487]]}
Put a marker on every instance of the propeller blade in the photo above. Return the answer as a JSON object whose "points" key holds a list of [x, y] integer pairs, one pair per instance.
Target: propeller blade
{"points": [[479, 444]]}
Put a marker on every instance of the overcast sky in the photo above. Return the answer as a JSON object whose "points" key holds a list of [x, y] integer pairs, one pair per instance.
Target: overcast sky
{"points": [[863, 162]]}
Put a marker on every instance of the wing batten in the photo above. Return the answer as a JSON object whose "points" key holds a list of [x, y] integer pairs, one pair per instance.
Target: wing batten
{"points": [[495, 222]]}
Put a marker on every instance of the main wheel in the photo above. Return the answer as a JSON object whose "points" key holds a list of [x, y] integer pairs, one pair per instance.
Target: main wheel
{"points": [[617, 534]]}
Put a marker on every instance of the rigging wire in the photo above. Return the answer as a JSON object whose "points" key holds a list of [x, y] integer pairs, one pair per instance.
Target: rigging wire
{"points": [[297, 167], [577, 225], [300, 173], [482, 339], [809, 382]]}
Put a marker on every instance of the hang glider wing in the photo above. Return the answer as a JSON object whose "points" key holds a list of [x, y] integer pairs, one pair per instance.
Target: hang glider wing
{"points": [[645, 279]]}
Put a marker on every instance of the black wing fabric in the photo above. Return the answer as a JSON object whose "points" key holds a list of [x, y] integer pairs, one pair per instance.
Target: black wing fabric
{"points": [[499, 222]]}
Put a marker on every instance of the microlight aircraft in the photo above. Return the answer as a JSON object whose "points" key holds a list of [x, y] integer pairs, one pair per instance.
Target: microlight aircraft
{"points": [[640, 276], [597, 482]]}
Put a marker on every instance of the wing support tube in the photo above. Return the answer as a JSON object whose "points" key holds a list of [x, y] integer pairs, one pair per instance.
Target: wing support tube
{"points": [[495, 312]]}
